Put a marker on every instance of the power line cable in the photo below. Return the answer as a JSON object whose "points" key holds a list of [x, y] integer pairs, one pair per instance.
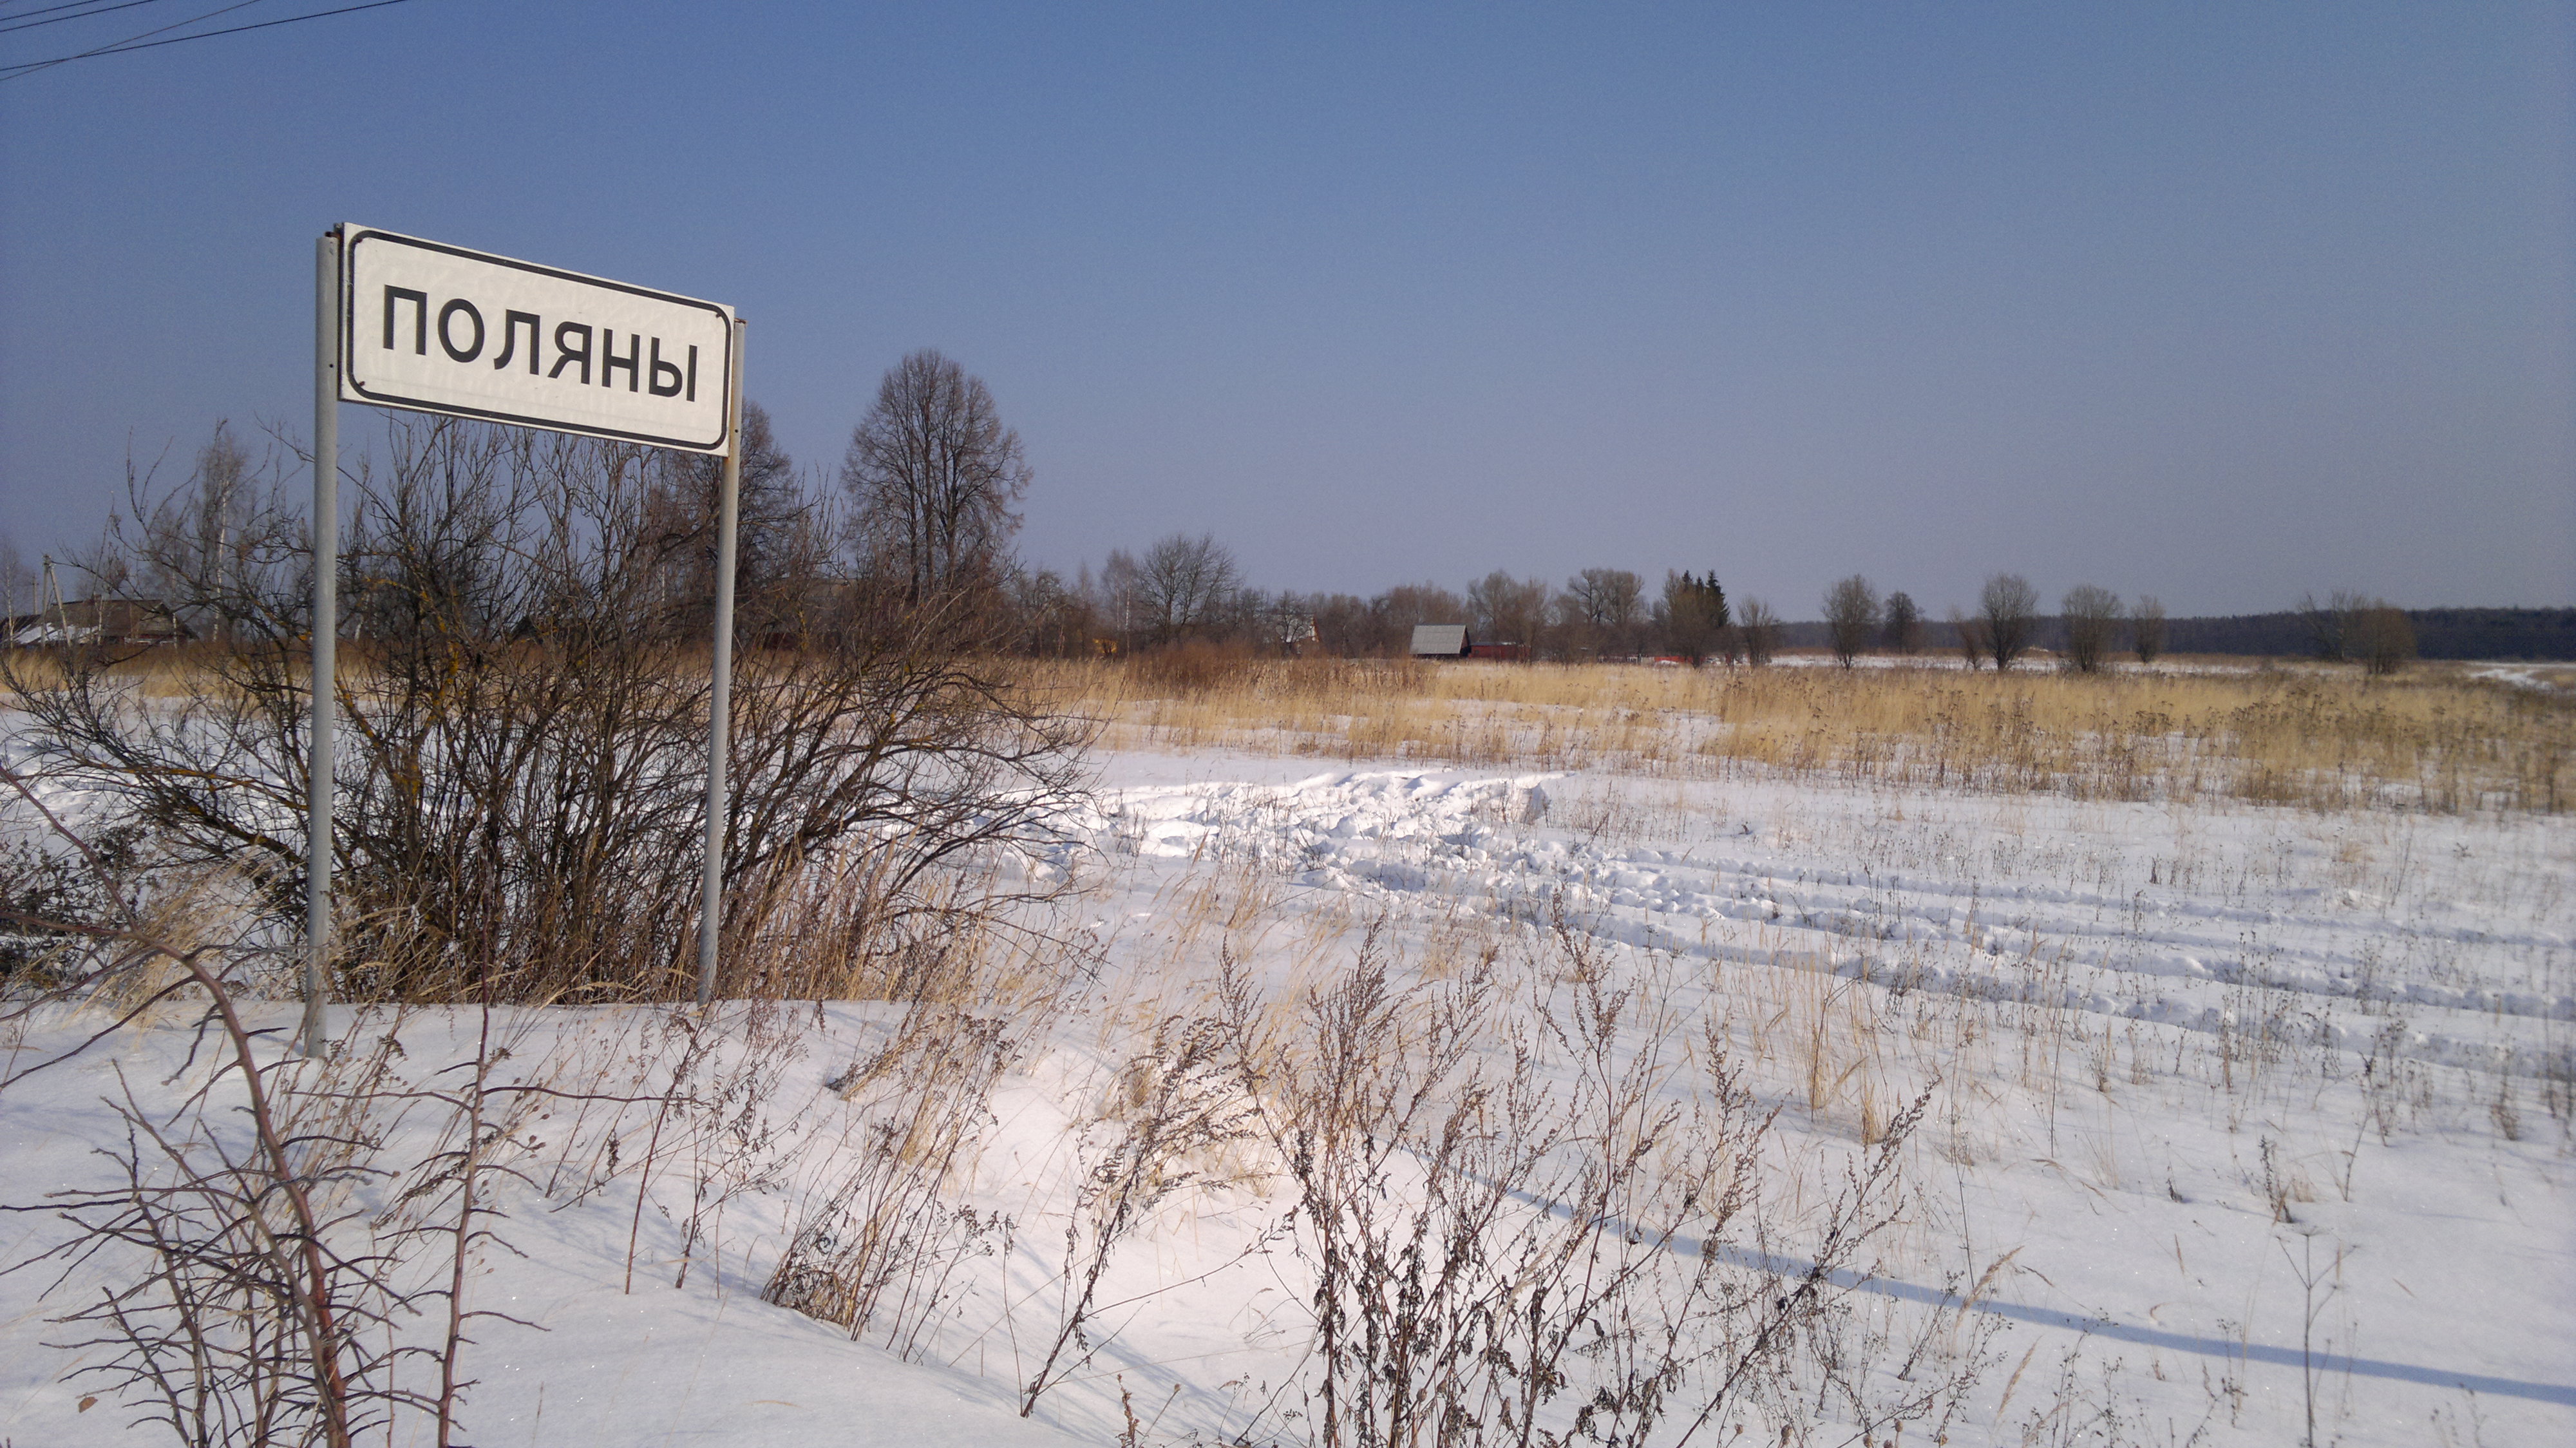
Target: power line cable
{"points": [[14, 72], [46, 9], [10, 72], [28, 22]]}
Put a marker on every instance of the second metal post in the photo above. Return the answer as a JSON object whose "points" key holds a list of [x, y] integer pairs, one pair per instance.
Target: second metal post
{"points": [[720, 700]]}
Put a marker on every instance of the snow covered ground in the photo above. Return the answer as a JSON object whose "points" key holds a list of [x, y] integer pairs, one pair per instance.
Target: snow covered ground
{"points": [[2540, 678], [2240, 1117]]}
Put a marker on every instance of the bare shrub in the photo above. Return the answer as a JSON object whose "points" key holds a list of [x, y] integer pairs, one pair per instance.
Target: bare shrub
{"points": [[881, 1245], [522, 757], [2090, 616], [251, 1292], [1175, 1099], [1520, 1236]]}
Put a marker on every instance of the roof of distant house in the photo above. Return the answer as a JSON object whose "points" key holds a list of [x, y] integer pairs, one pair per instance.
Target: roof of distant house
{"points": [[1442, 640]]}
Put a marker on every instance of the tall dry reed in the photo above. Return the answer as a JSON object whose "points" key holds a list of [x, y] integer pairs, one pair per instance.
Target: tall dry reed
{"points": [[2435, 740]]}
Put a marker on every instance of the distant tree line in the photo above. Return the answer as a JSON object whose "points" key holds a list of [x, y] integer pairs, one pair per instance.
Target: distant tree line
{"points": [[1183, 589], [926, 512], [2440, 633]]}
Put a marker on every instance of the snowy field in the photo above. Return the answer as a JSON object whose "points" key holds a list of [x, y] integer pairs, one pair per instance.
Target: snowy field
{"points": [[2239, 1124]]}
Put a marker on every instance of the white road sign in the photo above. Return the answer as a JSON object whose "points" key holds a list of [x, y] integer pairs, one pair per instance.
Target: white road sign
{"points": [[438, 328]]}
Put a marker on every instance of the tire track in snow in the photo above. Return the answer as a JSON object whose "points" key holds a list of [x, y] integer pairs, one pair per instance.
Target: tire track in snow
{"points": [[1487, 842]]}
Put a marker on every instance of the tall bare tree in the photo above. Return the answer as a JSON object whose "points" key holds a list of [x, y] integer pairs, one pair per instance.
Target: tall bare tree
{"points": [[934, 476], [1183, 586], [2333, 627], [1851, 616], [1757, 631], [2007, 614], [777, 529], [18, 582], [206, 522], [1903, 633], [1601, 608], [2147, 628], [2091, 616], [1504, 609]]}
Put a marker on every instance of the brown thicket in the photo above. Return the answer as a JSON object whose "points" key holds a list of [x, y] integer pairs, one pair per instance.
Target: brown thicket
{"points": [[523, 696]]}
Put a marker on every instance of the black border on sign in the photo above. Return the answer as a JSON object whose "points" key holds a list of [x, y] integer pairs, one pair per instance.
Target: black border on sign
{"points": [[352, 391]]}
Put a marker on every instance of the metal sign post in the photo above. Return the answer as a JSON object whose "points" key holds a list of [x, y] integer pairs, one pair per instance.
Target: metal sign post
{"points": [[720, 700], [428, 327], [326, 634]]}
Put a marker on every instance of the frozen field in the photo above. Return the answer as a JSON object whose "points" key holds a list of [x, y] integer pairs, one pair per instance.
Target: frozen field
{"points": [[2236, 1120]]}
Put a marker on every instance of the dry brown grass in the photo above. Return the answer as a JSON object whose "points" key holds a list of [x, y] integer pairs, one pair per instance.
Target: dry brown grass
{"points": [[163, 672], [2432, 739]]}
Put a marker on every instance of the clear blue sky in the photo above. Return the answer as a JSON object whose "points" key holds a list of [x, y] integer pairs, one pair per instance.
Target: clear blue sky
{"points": [[2218, 302]]}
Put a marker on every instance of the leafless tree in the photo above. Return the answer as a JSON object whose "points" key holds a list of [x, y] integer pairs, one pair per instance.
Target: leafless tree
{"points": [[934, 476], [1344, 627], [1116, 595], [1851, 616], [2384, 637], [206, 522], [2007, 613], [1504, 609], [2091, 616], [1757, 629], [1400, 608], [779, 530], [1903, 633], [1600, 609], [2332, 627], [1052, 619], [1183, 585], [2147, 628], [18, 581]]}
